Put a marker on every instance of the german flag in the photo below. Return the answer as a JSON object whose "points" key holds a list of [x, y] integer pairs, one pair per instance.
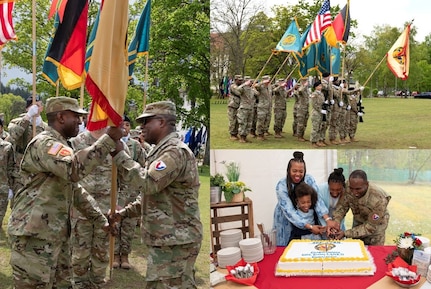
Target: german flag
{"points": [[66, 53]]}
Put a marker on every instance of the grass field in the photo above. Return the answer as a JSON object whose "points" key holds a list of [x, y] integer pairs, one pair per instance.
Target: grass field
{"points": [[389, 123], [134, 278]]}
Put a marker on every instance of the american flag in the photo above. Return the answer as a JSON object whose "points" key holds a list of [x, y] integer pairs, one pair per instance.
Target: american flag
{"points": [[322, 21], [6, 26]]}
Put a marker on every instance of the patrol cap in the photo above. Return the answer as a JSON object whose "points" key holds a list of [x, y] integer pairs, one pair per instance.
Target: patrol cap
{"points": [[317, 83], [266, 77], [134, 133], [281, 80], [29, 100], [247, 77], [238, 76], [61, 103], [158, 108]]}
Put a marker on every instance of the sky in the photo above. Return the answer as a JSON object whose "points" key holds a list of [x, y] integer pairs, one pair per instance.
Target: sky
{"points": [[370, 13]]}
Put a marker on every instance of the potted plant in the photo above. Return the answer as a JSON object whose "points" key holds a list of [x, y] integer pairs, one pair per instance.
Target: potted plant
{"points": [[216, 186], [234, 189]]}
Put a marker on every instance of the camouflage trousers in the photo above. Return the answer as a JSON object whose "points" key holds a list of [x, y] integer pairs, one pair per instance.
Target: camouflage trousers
{"points": [[279, 119], [351, 123], [40, 264], [253, 120], [333, 122], [317, 127], [3, 206], [126, 233], [245, 118], [263, 120], [295, 120], [90, 254], [301, 119], [233, 120], [172, 267], [341, 124]]}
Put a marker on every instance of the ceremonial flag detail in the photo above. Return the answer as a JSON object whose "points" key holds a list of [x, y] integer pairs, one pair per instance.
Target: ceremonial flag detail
{"points": [[141, 39], [323, 56], [7, 31], [107, 76], [91, 39], [291, 39], [341, 24], [335, 60], [306, 61], [321, 22], [66, 52], [398, 57]]}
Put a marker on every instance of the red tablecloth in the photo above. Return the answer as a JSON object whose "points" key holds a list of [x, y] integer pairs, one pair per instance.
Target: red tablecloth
{"points": [[267, 280]]}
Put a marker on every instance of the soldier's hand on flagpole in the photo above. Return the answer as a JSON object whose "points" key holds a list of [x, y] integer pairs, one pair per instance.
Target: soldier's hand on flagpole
{"points": [[116, 133]]}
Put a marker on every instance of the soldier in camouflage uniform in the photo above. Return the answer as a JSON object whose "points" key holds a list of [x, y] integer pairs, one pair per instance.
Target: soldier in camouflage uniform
{"points": [[39, 224], [263, 107], [21, 133], [245, 110], [169, 206], [280, 99], [254, 113], [352, 113], [302, 113], [127, 226], [317, 114], [369, 205], [89, 242], [7, 165], [328, 92], [232, 107], [3, 134], [336, 109]]}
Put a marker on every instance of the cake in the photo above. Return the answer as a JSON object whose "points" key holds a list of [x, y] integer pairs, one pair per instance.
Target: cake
{"points": [[325, 258]]}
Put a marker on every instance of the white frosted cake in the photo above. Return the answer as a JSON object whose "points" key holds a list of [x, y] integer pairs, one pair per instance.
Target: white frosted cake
{"points": [[325, 258]]}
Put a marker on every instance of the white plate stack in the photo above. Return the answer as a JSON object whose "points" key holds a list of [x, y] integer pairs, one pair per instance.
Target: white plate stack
{"points": [[251, 249], [228, 256], [230, 238]]}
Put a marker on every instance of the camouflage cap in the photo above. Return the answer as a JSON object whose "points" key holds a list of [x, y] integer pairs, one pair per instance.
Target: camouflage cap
{"points": [[157, 108], [281, 80], [238, 76], [134, 133], [61, 103], [266, 77], [247, 77]]}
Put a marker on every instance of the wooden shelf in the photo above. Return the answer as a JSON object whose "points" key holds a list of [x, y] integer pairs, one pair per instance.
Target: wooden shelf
{"points": [[243, 220]]}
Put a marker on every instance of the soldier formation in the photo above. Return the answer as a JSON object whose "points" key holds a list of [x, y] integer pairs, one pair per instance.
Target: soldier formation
{"points": [[335, 109]]}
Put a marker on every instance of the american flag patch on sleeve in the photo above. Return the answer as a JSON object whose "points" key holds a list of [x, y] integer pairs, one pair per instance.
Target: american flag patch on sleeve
{"points": [[55, 148]]}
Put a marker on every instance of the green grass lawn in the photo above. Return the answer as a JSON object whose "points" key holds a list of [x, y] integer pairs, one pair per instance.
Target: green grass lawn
{"points": [[134, 278], [389, 123]]}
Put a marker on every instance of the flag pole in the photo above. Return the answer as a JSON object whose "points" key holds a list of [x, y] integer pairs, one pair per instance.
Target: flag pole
{"points": [[290, 74], [145, 81], [57, 87], [81, 95], [113, 207], [34, 60], [281, 66], [257, 77], [365, 83]]}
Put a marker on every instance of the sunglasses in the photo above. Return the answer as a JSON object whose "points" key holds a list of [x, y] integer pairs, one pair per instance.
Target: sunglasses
{"points": [[148, 119]]}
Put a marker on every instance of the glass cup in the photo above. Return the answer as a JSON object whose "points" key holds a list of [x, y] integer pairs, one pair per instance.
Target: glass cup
{"points": [[269, 241]]}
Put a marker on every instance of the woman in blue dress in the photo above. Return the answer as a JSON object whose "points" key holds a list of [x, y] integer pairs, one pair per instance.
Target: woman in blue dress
{"points": [[285, 213]]}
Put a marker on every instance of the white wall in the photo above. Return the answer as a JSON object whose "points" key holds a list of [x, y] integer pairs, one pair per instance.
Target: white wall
{"points": [[262, 169]]}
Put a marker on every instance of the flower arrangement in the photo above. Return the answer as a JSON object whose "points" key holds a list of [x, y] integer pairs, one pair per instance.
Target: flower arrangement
{"points": [[408, 241], [217, 180], [234, 185]]}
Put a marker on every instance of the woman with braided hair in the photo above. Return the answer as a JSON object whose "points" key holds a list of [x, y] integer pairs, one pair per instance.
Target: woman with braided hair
{"points": [[285, 213], [331, 191]]}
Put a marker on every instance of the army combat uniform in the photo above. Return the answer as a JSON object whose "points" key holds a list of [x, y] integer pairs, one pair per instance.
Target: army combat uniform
{"points": [[21, 133], [232, 107], [280, 99], [39, 224], [169, 210], [7, 165], [89, 243], [370, 215], [127, 227], [302, 113]]}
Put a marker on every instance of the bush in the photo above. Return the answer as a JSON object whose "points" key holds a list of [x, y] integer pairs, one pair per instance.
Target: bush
{"points": [[217, 180]]}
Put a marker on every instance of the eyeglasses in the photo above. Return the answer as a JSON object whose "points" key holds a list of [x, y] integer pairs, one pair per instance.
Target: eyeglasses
{"points": [[148, 119]]}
